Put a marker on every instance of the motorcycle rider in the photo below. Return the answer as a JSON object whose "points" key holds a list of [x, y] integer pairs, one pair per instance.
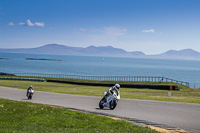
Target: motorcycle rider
{"points": [[113, 89], [29, 88]]}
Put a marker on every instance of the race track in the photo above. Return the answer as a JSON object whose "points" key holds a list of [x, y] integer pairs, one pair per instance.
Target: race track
{"points": [[180, 115]]}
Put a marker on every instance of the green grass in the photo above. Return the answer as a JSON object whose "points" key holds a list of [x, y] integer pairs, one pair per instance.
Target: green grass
{"points": [[28, 117], [185, 94]]}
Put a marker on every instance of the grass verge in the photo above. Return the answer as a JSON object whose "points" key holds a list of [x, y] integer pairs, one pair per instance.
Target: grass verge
{"points": [[28, 117], [185, 94]]}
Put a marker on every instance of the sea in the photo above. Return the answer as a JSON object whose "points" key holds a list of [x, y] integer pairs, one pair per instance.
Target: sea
{"points": [[182, 70]]}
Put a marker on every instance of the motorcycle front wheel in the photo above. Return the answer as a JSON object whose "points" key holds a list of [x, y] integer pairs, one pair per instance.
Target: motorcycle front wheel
{"points": [[113, 104], [30, 96], [101, 103]]}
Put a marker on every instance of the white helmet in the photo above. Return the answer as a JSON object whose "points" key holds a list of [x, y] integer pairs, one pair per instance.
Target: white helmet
{"points": [[117, 86]]}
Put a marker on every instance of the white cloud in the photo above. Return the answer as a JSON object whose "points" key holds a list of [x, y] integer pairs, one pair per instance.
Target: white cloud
{"points": [[82, 29], [11, 24], [108, 35], [113, 31], [148, 31], [108, 32], [39, 24], [29, 23]]}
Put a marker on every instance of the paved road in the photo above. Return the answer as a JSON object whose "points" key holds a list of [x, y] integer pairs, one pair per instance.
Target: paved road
{"points": [[180, 115]]}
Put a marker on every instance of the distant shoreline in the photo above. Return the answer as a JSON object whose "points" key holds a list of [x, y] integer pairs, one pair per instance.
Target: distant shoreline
{"points": [[43, 59], [104, 51]]}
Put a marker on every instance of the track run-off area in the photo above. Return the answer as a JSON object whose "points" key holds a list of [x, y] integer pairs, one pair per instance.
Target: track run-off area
{"points": [[142, 112]]}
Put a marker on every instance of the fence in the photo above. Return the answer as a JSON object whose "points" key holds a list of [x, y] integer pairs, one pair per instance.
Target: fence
{"points": [[105, 78], [194, 85]]}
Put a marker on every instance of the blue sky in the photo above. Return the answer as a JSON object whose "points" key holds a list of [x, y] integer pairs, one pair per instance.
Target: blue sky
{"points": [[151, 26]]}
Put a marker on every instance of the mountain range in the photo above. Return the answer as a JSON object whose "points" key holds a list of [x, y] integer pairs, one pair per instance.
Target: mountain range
{"points": [[105, 51]]}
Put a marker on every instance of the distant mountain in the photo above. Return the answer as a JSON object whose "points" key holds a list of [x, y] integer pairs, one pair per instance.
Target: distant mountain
{"points": [[184, 52], [66, 50], [109, 51], [187, 54], [105, 51]]}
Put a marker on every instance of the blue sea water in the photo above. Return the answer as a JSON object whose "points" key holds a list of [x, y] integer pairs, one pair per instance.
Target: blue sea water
{"points": [[182, 70]]}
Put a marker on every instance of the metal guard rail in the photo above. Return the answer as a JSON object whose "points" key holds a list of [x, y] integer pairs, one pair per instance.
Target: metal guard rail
{"points": [[105, 78]]}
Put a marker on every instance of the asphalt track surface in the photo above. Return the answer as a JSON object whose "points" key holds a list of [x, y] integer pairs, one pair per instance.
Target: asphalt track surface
{"points": [[170, 114]]}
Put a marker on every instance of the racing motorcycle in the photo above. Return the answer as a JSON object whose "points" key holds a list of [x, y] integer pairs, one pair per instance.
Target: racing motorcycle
{"points": [[109, 101], [30, 93]]}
